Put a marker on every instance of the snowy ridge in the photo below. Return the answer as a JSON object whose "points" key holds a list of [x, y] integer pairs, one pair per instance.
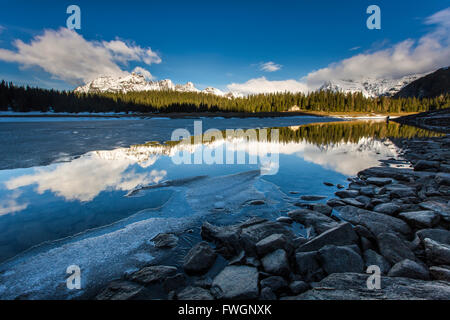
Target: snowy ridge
{"points": [[136, 82], [370, 87]]}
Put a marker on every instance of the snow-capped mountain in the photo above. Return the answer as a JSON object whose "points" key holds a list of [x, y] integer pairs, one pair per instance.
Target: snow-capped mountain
{"points": [[137, 82], [371, 87]]}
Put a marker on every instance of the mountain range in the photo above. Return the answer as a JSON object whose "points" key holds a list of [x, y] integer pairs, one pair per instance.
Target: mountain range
{"points": [[136, 82], [369, 87]]}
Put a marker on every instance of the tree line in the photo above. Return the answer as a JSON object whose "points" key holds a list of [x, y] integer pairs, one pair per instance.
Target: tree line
{"points": [[24, 99]]}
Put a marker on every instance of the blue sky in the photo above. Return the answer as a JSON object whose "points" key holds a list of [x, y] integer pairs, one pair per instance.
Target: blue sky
{"points": [[217, 43]]}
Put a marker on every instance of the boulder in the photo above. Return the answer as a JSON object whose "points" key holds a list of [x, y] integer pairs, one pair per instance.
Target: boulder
{"points": [[335, 203], [309, 218], [436, 252], [165, 240], [276, 263], [236, 282], [442, 178], [375, 222], [199, 259], [353, 286], [440, 273], [420, 219], [271, 243], [307, 264], [347, 193], [379, 182], [298, 287], [441, 208], [341, 235], [439, 235], [312, 197], [276, 283], [340, 259], [393, 248], [425, 165], [387, 208], [372, 258], [353, 202], [153, 274], [399, 191], [120, 290], [322, 208], [174, 283], [194, 293], [409, 269], [267, 294]]}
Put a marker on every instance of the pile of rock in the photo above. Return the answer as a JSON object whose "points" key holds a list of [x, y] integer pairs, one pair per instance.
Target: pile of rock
{"points": [[395, 218]]}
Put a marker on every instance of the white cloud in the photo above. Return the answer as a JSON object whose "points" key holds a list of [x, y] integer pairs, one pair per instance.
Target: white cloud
{"points": [[144, 72], [66, 55], [270, 66], [262, 85], [424, 55]]}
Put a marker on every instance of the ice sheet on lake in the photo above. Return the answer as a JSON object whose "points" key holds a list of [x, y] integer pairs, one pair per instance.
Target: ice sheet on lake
{"points": [[105, 253]]}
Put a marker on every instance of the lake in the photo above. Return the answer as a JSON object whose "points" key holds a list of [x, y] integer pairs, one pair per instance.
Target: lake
{"points": [[93, 193]]}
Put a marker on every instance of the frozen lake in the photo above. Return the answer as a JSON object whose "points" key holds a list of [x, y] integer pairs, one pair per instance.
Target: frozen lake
{"points": [[92, 193]]}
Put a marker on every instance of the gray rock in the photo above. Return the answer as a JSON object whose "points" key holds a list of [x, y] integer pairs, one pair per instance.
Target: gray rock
{"points": [[409, 269], [309, 218], [440, 273], [120, 290], [153, 274], [367, 191], [353, 286], [175, 282], [388, 172], [335, 203], [441, 208], [363, 199], [425, 165], [436, 252], [276, 283], [239, 259], [252, 234], [393, 248], [287, 220], [298, 287], [231, 240], [347, 193], [276, 263], [271, 243], [340, 259], [400, 191], [236, 282], [340, 186], [353, 202], [328, 184], [312, 197], [199, 259], [439, 235], [379, 182], [307, 264], [420, 219], [387, 208], [204, 283], [372, 258], [376, 222], [442, 179], [322, 208], [267, 294], [165, 240], [364, 232], [341, 235], [194, 293]]}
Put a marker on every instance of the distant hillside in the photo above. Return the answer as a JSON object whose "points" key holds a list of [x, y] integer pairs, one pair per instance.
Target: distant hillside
{"points": [[429, 86]]}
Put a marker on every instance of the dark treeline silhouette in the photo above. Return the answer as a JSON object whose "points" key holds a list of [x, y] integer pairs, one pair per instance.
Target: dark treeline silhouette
{"points": [[24, 99]]}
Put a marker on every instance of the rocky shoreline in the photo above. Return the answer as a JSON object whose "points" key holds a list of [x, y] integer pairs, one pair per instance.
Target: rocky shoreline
{"points": [[397, 219]]}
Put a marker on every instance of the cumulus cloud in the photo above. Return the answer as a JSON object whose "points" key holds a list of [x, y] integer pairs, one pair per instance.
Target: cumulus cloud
{"points": [[270, 66], [67, 56], [262, 85], [423, 55], [144, 72]]}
